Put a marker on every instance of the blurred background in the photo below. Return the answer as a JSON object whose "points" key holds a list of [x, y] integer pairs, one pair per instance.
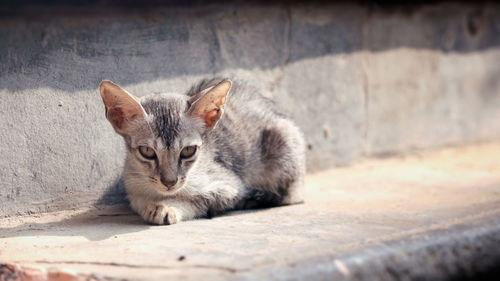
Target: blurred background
{"points": [[362, 79]]}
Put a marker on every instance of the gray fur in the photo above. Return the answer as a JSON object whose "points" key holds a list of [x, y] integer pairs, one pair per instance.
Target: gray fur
{"points": [[253, 153]]}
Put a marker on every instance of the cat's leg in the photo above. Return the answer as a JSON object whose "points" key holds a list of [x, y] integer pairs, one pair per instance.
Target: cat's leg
{"points": [[283, 161], [208, 194], [165, 211], [220, 190]]}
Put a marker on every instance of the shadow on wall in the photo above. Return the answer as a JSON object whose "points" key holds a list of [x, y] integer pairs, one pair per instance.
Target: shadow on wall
{"points": [[74, 48], [115, 194]]}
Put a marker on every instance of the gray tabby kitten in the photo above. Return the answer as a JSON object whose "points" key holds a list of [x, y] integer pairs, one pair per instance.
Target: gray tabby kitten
{"points": [[206, 151]]}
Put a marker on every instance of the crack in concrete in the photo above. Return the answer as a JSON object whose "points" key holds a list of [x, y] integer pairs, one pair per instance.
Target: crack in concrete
{"points": [[199, 266]]}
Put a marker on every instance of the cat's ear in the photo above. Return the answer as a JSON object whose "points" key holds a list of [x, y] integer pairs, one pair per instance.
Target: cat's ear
{"points": [[210, 105], [121, 107]]}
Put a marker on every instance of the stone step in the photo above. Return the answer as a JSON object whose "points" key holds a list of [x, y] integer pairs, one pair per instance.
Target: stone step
{"points": [[426, 215]]}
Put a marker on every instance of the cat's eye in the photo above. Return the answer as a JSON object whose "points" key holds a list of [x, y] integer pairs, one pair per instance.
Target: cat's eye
{"points": [[188, 151], [147, 152]]}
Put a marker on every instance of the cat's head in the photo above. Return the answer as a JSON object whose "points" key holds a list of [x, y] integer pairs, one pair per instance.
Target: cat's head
{"points": [[163, 132]]}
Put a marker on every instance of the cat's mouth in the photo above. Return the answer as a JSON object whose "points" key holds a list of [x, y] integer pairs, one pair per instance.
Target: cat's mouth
{"points": [[169, 189], [164, 188]]}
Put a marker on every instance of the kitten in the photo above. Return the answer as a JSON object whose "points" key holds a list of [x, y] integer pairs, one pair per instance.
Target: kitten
{"points": [[212, 149]]}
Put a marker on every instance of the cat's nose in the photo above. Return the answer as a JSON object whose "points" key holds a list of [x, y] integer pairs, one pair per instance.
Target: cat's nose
{"points": [[169, 183]]}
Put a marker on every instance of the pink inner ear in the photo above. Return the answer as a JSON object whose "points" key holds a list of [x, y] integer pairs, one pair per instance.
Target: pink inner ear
{"points": [[211, 105], [210, 115], [120, 116], [116, 116], [121, 107]]}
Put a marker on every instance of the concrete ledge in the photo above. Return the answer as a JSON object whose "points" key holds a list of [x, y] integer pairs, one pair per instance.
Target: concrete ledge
{"points": [[426, 216]]}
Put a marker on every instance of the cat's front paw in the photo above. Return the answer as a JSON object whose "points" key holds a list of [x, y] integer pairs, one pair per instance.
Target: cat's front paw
{"points": [[160, 214]]}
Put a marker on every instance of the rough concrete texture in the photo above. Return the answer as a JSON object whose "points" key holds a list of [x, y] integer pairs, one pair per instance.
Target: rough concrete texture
{"points": [[359, 80], [427, 216]]}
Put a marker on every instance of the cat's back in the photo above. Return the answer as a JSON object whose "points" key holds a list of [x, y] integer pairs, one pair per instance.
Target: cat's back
{"points": [[252, 136]]}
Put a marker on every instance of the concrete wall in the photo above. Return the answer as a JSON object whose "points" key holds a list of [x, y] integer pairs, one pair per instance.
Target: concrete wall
{"points": [[359, 80]]}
